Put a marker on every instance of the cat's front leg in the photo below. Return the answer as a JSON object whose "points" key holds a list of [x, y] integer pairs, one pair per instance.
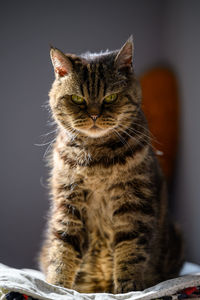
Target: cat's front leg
{"points": [[129, 268], [131, 242], [67, 239], [63, 262]]}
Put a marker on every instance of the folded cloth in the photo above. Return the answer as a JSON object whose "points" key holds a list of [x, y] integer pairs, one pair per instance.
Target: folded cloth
{"points": [[30, 284]]}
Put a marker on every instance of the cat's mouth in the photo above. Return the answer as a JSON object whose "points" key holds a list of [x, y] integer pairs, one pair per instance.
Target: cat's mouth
{"points": [[95, 127]]}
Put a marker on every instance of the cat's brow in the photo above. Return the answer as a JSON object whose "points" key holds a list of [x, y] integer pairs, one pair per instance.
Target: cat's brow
{"points": [[93, 80], [95, 84]]}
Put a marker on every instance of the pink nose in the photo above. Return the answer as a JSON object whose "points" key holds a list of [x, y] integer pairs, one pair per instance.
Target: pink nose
{"points": [[94, 117]]}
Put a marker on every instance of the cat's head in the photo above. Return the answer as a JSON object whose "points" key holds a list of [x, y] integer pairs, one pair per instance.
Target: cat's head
{"points": [[94, 94]]}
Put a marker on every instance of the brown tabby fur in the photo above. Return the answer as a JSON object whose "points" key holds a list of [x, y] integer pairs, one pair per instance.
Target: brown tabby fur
{"points": [[108, 229]]}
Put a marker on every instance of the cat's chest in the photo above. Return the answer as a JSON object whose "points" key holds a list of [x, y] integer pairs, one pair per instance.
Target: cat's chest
{"points": [[96, 179], [99, 213], [99, 206]]}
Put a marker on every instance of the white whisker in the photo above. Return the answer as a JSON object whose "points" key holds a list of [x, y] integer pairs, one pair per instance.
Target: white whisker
{"points": [[138, 139], [122, 139], [43, 144], [48, 148], [151, 136], [48, 133]]}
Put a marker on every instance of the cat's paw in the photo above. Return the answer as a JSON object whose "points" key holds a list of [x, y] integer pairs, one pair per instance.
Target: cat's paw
{"points": [[58, 280], [128, 286]]}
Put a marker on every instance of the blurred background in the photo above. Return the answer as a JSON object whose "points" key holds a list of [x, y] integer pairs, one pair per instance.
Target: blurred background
{"points": [[165, 31]]}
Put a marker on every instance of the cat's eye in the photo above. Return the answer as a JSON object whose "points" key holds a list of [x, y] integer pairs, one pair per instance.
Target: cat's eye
{"points": [[77, 99], [111, 98]]}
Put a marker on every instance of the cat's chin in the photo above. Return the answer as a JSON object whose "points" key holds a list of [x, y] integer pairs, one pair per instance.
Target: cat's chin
{"points": [[95, 132]]}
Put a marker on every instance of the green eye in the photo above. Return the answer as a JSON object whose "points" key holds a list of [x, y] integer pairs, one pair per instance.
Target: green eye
{"points": [[77, 99], [111, 98]]}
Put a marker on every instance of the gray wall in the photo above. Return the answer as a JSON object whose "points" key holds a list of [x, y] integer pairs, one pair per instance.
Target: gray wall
{"points": [[27, 28], [181, 48]]}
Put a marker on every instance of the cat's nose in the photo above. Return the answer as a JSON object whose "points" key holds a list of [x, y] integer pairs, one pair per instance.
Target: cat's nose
{"points": [[94, 116], [94, 111]]}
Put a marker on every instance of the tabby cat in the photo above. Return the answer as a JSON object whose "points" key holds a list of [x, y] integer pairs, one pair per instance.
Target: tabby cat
{"points": [[108, 229]]}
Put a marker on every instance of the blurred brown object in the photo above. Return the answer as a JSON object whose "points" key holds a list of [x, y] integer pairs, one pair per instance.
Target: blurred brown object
{"points": [[161, 107]]}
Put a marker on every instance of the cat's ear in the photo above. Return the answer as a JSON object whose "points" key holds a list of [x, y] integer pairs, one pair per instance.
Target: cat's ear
{"points": [[62, 65], [124, 57]]}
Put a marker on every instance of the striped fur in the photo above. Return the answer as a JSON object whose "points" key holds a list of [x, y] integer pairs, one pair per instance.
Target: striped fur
{"points": [[108, 229]]}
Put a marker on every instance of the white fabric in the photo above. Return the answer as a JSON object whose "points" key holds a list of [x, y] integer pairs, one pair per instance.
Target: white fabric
{"points": [[32, 283]]}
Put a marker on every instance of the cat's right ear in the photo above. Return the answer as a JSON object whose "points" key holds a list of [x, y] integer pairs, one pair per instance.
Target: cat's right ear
{"points": [[62, 65]]}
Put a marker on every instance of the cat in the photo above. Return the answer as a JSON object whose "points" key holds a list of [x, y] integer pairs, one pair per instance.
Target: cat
{"points": [[109, 228]]}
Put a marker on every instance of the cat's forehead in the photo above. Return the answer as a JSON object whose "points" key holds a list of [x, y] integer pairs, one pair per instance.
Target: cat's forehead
{"points": [[93, 79], [98, 63], [96, 72]]}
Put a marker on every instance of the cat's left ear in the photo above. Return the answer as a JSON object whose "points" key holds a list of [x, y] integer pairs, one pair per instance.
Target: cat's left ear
{"points": [[62, 65], [124, 57]]}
